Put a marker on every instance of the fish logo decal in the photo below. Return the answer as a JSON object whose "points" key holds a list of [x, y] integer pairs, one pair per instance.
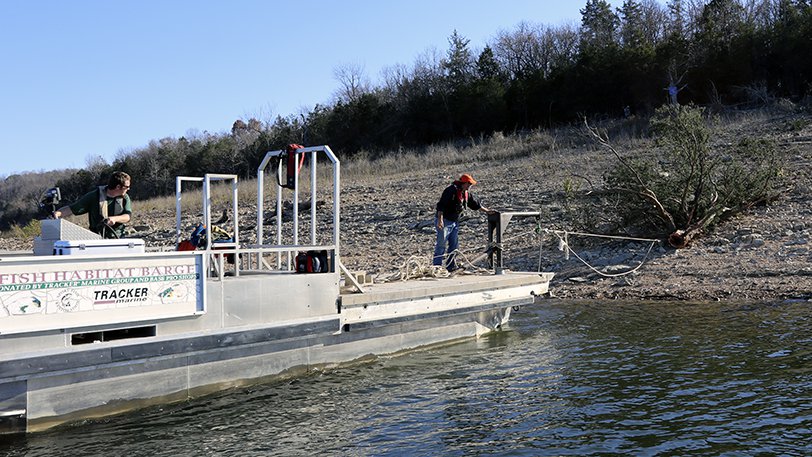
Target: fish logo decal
{"points": [[174, 293], [22, 303], [167, 293], [34, 304]]}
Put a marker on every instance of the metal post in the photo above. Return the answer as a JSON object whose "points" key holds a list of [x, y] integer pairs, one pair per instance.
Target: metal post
{"points": [[495, 242], [313, 197], [295, 201], [279, 218], [336, 199], [260, 201], [206, 209], [497, 224], [178, 185], [235, 208]]}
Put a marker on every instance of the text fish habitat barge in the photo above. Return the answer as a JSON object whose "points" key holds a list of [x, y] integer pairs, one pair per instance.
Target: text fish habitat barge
{"points": [[97, 331]]}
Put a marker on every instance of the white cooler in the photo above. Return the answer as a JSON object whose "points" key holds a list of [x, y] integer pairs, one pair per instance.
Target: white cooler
{"points": [[99, 247]]}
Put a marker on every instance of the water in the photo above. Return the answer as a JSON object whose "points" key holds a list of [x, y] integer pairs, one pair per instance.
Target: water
{"points": [[567, 379]]}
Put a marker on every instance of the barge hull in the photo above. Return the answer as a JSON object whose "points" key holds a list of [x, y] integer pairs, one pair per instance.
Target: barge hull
{"points": [[45, 389]]}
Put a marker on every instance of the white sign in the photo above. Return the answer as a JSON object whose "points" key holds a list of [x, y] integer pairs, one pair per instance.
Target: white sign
{"points": [[50, 293]]}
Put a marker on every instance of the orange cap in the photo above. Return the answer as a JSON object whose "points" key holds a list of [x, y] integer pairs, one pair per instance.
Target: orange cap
{"points": [[467, 178]]}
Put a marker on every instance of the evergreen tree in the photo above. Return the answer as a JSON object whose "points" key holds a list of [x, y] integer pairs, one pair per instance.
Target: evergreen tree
{"points": [[598, 25], [632, 34], [720, 24], [487, 66], [458, 64]]}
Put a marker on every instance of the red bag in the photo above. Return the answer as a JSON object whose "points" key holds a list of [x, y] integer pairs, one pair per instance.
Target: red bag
{"points": [[186, 245]]}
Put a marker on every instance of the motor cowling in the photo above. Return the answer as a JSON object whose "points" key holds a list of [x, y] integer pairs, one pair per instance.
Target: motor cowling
{"points": [[293, 164], [312, 262]]}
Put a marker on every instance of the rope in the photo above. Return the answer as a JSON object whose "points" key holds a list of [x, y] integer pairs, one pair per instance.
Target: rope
{"points": [[422, 266], [563, 243], [417, 267], [595, 235]]}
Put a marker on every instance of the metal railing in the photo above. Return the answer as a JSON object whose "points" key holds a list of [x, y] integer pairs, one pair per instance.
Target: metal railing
{"points": [[275, 158], [230, 258]]}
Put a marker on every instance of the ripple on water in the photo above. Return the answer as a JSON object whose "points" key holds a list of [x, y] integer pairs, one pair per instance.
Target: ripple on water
{"points": [[568, 378]]}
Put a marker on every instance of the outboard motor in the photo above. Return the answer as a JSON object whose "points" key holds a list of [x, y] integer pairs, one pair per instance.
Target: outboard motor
{"points": [[293, 167], [49, 202]]}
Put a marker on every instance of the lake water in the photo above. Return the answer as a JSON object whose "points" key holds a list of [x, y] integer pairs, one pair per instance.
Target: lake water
{"points": [[566, 379]]}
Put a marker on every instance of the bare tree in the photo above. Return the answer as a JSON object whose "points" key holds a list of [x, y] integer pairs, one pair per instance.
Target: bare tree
{"points": [[352, 80], [654, 21], [522, 51], [563, 42], [424, 77]]}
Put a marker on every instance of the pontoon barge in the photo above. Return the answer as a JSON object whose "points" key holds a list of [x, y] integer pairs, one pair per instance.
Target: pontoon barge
{"points": [[87, 334]]}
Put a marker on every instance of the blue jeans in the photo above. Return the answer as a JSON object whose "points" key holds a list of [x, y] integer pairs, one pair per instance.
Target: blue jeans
{"points": [[447, 242]]}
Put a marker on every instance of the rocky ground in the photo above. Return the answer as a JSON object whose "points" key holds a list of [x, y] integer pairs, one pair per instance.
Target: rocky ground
{"points": [[387, 220]]}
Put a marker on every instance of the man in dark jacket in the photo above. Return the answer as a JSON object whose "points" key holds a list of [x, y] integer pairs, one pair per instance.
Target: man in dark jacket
{"points": [[453, 201], [108, 207]]}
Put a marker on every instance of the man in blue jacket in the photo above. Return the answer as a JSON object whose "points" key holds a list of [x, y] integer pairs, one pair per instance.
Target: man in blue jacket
{"points": [[453, 201]]}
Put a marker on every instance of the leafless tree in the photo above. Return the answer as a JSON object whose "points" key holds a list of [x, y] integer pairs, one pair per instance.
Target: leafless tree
{"points": [[536, 48], [245, 133], [563, 41], [761, 13], [521, 51], [352, 80], [654, 21]]}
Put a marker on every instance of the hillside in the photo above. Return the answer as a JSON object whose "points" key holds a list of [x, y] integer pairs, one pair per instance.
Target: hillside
{"points": [[387, 213]]}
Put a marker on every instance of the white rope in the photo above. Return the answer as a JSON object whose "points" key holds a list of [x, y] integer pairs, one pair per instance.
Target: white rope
{"points": [[595, 235], [417, 267], [563, 243], [422, 266]]}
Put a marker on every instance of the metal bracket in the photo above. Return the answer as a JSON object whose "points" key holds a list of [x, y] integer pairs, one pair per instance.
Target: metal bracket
{"points": [[351, 277], [497, 223]]}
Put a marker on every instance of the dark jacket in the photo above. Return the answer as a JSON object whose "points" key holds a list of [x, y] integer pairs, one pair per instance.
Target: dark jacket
{"points": [[454, 200], [89, 203]]}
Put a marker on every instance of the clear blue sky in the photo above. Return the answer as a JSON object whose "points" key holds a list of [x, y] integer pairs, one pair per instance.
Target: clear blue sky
{"points": [[85, 78]]}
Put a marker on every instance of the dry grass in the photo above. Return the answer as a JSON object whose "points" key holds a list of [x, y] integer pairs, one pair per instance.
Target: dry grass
{"points": [[493, 148]]}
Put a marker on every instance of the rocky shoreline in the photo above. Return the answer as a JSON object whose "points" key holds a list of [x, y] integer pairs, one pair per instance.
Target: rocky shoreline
{"points": [[762, 254]]}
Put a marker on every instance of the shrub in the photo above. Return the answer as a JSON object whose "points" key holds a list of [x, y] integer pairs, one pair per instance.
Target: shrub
{"points": [[687, 186]]}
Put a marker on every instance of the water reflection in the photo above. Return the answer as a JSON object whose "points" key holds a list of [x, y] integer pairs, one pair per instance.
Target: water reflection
{"points": [[568, 378]]}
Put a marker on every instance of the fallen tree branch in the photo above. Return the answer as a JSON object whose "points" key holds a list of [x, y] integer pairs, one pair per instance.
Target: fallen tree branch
{"points": [[644, 192]]}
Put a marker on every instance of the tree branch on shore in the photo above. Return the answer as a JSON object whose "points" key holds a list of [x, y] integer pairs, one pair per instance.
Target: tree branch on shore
{"points": [[684, 184]]}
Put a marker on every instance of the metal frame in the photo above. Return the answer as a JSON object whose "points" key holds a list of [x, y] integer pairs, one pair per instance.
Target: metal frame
{"points": [[313, 151], [497, 224], [213, 260], [207, 180], [254, 254]]}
